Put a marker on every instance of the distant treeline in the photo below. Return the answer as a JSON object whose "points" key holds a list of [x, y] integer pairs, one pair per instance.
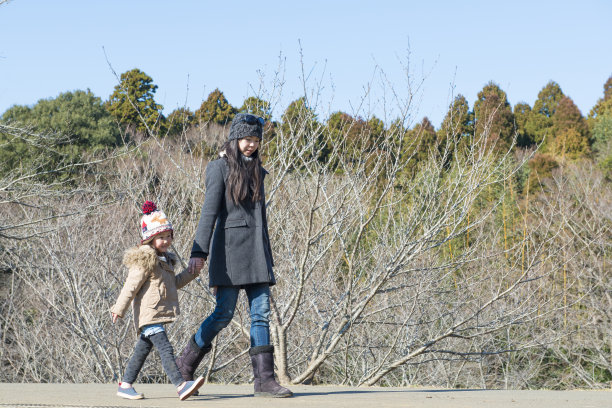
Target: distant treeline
{"points": [[86, 124]]}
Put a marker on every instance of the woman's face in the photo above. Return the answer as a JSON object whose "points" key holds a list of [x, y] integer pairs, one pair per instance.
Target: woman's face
{"points": [[248, 145]]}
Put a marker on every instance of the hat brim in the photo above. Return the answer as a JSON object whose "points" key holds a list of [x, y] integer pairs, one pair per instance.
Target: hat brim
{"points": [[149, 239]]}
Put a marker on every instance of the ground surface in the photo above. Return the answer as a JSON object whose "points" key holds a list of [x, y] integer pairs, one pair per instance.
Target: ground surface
{"points": [[237, 396]]}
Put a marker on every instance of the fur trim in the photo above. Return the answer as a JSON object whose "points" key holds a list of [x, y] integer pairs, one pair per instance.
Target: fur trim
{"points": [[143, 256]]}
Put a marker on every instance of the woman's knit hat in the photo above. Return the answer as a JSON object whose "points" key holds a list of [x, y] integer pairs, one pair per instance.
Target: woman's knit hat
{"points": [[245, 125], [153, 222]]}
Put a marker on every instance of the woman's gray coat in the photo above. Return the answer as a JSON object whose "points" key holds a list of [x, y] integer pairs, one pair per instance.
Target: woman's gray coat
{"points": [[240, 252]]}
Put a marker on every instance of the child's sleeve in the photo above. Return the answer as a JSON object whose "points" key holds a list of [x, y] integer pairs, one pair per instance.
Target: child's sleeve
{"points": [[184, 278], [136, 278]]}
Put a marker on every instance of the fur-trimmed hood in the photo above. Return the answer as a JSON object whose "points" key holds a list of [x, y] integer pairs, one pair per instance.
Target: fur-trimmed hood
{"points": [[145, 256]]}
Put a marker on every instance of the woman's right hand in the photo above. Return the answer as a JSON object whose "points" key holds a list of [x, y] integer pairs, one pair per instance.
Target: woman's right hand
{"points": [[195, 265]]}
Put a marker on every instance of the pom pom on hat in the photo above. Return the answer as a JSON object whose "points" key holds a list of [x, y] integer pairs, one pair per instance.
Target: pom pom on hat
{"points": [[148, 207], [153, 222]]}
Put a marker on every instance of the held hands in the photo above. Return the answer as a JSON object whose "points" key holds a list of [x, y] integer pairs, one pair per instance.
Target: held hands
{"points": [[196, 265]]}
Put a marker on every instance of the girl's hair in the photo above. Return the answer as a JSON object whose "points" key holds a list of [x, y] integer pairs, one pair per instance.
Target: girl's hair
{"points": [[245, 175]]}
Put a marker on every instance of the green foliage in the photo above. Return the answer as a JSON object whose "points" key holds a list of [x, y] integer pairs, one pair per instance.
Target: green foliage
{"points": [[541, 167], [215, 109], [418, 144], [522, 113], [421, 141], [300, 131], [258, 107], [297, 116], [345, 130], [493, 114], [540, 123], [350, 136], [72, 124], [602, 133], [376, 130], [571, 134], [459, 120], [600, 125], [457, 125], [179, 120], [132, 103], [604, 105], [602, 143]]}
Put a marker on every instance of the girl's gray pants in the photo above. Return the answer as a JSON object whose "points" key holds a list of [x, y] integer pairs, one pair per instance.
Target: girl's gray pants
{"points": [[141, 351]]}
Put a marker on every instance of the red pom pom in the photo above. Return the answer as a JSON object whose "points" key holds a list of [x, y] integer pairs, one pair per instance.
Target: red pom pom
{"points": [[148, 207]]}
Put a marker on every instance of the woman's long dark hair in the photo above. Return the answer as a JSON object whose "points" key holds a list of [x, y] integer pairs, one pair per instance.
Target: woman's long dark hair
{"points": [[245, 175]]}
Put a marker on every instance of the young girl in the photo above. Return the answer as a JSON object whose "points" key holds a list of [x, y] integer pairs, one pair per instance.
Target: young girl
{"points": [[239, 253], [152, 286]]}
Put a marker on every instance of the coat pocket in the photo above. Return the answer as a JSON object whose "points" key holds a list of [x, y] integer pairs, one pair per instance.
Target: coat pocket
{"points": [[239, 222]]}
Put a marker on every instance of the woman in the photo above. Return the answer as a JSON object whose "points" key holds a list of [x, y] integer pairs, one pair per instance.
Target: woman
{"points": [[239, 254]]}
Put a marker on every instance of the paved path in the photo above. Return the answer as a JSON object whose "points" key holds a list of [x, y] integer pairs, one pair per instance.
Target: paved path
{"points": [[237, 396]]}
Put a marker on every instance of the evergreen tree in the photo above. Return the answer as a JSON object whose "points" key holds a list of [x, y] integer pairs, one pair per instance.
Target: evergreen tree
{"points": [[423, 138], [604, 105], [600, 123], [179, 120], [376, 131], [540, 167], [258, 107], [571, 134], [300, 130], [75, 123], [133, 104], [493, 114], [540, 123], [457, 125], [215, 109], [419, 143], [522, 113]]}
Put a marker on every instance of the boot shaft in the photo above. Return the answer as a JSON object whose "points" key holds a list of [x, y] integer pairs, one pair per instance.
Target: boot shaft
{"points": [[190, 359], [262, 359]]}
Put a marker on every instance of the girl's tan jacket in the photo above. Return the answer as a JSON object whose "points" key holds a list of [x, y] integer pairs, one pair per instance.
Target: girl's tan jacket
{"points": [[152, 286]]}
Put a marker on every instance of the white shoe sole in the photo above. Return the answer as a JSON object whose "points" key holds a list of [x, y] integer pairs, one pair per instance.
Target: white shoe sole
{"points": [[194, 387], [130, 397]]}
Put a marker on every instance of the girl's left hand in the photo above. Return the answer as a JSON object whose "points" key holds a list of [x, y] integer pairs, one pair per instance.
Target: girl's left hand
{"points": [[114, 316]]}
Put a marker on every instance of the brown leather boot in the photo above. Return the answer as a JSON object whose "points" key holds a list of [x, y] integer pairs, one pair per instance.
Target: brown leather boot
{"points": [[262, 358]]}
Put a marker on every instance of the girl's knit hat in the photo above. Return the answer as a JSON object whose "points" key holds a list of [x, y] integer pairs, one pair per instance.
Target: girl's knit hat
{"points": [[153, 222], [245, 125]]}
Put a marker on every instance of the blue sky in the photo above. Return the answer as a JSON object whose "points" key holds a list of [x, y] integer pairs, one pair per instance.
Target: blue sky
{"points": [[190, 48]]}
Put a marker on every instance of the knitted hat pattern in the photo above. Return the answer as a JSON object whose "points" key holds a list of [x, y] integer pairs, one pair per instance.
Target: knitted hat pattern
{"points": [[153, 222], [245, 125]]}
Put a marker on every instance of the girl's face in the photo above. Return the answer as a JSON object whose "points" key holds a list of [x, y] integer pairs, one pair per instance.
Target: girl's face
{"points": [[162, 241], [248, 145]]}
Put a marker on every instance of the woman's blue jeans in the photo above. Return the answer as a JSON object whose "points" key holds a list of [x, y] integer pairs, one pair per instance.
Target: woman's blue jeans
{"points": [[227, 296]]}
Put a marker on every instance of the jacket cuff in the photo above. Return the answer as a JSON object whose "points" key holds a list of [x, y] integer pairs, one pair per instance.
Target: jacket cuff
{"points": [[117, 310], [198, 254]]}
